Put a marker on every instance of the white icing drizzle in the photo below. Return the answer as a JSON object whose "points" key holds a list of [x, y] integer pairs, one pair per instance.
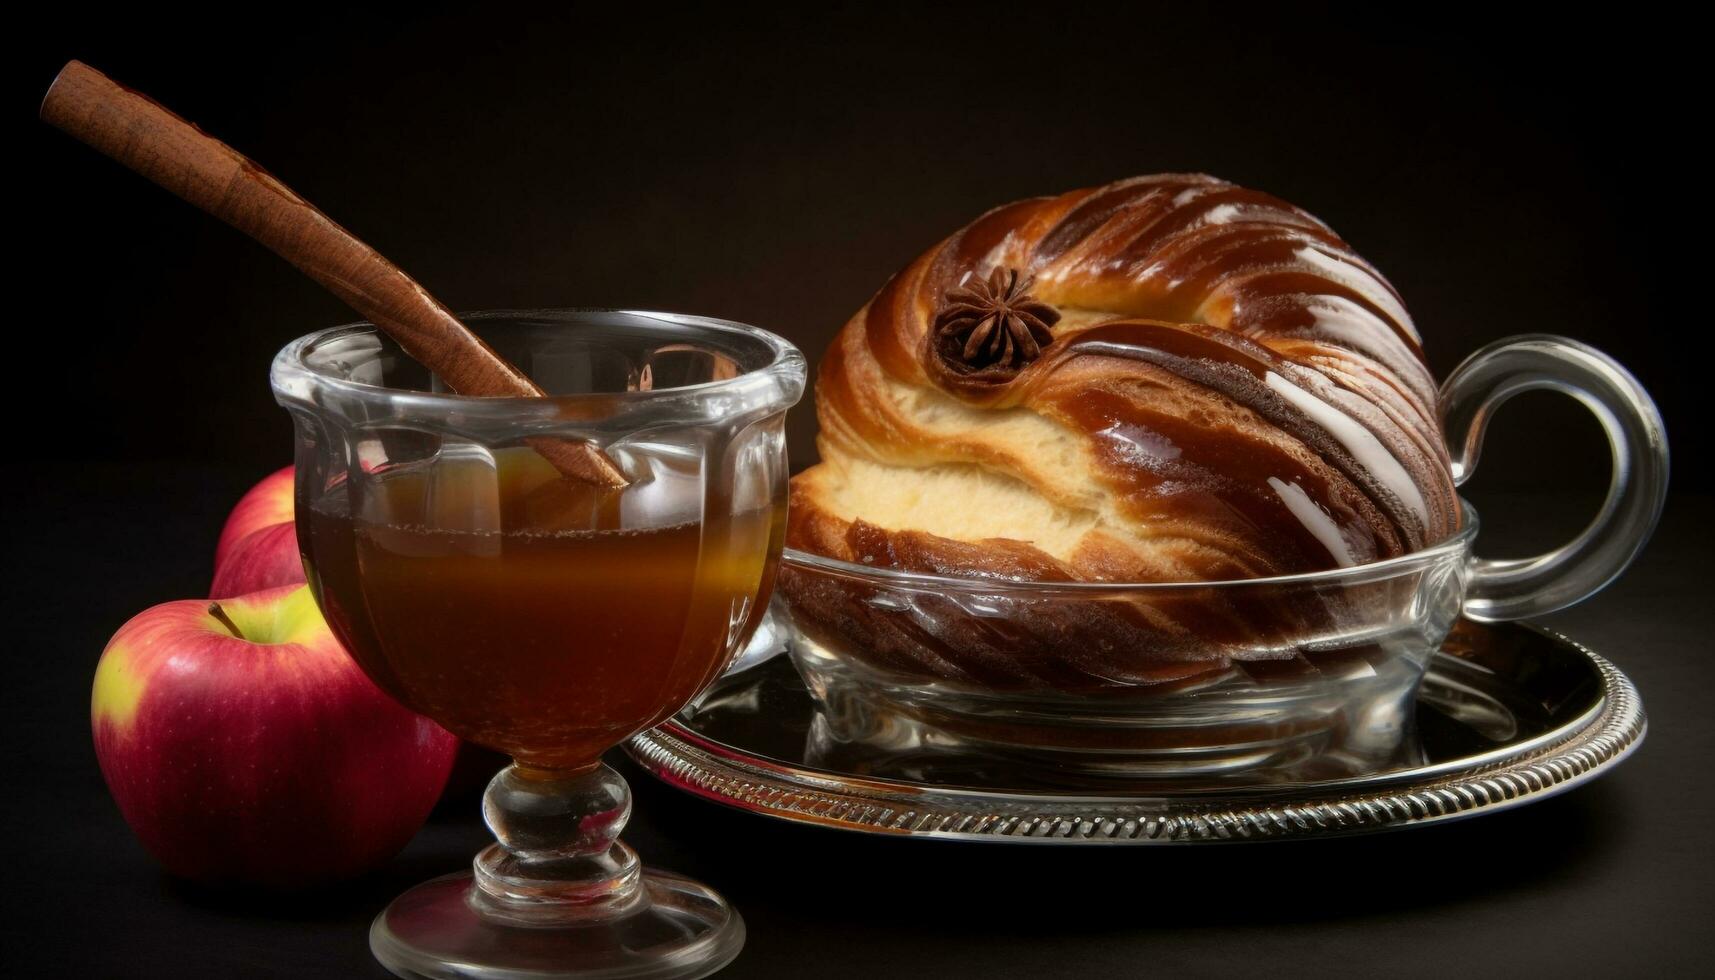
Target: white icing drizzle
{"points": [[1358, 441], [1361, 279], [1223, 214], [1319, 524]]}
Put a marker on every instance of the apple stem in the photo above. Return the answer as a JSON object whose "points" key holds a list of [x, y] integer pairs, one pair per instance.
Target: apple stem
{"points": [[225, 620]]}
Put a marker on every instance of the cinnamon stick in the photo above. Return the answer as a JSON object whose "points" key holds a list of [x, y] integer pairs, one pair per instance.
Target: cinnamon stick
{"points": [[144, 136]]}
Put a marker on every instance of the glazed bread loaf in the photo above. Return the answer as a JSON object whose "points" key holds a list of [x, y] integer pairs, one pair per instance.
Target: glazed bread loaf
{"points": [[1169, 378]]}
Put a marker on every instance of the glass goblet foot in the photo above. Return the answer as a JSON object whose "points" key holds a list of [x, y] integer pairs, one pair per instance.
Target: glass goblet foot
{"points": [[559, 895]]}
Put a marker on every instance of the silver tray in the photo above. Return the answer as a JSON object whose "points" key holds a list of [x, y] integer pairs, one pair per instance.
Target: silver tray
{"points": [[1509, 714]]}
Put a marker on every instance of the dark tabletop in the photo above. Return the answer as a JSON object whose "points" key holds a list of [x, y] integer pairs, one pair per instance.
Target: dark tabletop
{"points": [[1615, 877]]}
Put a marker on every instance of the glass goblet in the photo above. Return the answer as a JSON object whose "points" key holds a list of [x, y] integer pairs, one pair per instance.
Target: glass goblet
{"points": [[535, 615]]}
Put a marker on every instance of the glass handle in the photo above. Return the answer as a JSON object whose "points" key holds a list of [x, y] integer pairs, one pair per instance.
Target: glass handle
{"points": [[1521, 587]]}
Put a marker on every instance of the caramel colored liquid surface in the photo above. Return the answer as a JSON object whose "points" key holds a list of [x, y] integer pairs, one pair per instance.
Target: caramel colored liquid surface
{"points": [[545, 641]]}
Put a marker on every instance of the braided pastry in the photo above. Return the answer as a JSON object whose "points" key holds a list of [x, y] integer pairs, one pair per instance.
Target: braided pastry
{"points": [[1169, 378]]}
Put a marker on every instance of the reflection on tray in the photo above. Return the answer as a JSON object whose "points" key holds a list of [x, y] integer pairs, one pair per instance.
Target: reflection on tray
{"points": [[1487, 689]]}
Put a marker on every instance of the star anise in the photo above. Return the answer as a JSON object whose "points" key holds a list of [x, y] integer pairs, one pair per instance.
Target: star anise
{"points": [[992, 328]]}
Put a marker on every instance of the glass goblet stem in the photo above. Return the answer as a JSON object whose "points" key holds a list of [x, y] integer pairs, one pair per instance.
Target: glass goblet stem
{"points": [[558, 858]]}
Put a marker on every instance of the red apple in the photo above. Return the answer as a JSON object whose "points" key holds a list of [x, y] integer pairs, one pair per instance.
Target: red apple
{"points": [[258, 547], [242, 744]]}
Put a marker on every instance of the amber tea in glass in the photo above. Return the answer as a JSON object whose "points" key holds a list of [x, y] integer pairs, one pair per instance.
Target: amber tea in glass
{"points": [[542, 617], [552, 637]]}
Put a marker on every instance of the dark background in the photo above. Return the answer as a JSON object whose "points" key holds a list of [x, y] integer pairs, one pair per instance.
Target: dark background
{"points": [[775, 167]]}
